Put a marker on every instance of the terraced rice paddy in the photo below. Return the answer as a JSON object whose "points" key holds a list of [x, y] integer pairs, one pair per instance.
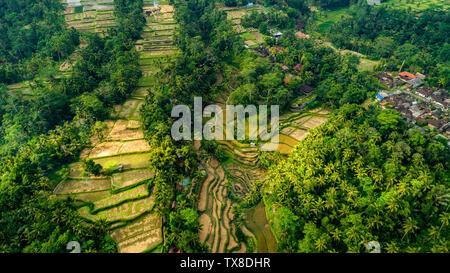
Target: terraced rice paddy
{"points": [[236, 177], [121, 213], [138, 236], [295, 127], [25, 90], [90, 15], [257, 221], [129, 178], [124, 198], [158, 33], [22, 89], [82, 185], [251, 36], [216, 217]]}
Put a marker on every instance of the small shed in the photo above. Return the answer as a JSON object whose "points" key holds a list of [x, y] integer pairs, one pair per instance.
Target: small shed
{"points": [[420, 76], [306, 89], [416, 82], [278, 48], [185, 182], [202, 170], [302, 35], [174, 250]]}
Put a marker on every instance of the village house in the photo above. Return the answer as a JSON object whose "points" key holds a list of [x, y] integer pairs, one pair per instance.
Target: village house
{"points": [[152, 11], [406, 76], [284, 67], [263, 51], [414, 83], [278, 34], [385, 79], [415, 111], [298, 68], [447, 103], [302, 35], [278, 48], [306, 89], [425, 92], [434, 124], [389, 81], [423, 112], [287, 78], [420, 76], [275, 33], [439, 97]]}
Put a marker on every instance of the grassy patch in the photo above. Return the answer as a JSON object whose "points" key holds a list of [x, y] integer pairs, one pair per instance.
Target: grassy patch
{"points": [[367, 65], [325, 19]]}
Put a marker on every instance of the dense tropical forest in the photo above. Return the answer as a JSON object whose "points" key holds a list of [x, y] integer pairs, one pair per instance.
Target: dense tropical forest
{"points": [[362, 177], [361, 173], [418, 43], [33, 35]]}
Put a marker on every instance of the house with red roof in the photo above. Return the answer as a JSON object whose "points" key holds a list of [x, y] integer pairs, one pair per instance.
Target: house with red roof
{"points": [[406, 76], [298, 67]]}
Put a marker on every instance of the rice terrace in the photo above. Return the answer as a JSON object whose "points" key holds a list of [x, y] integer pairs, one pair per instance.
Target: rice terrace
{"points": [[123, 199]]}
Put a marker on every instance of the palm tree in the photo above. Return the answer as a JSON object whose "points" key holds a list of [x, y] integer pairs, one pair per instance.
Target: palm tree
{"points": [[320, 244], [347, 153], [375, 222], [392, 247], [352, 234], [409, 226], [444, 218], [433, 233], [336, 234], [392, 205], [442, 81], [361, 173]]}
